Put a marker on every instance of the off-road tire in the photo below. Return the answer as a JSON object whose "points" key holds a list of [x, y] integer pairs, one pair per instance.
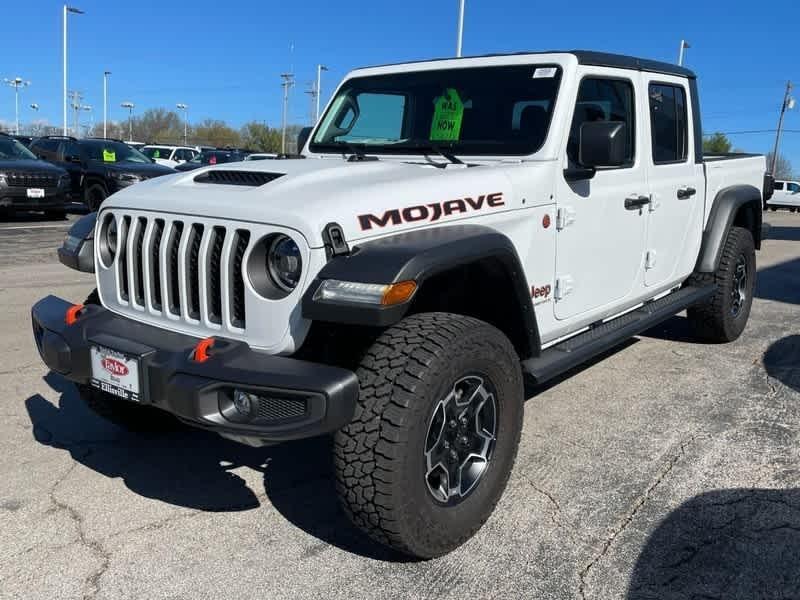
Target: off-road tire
{"points": [[380, 456], [714, 320], [125, 414], [94, 195]]}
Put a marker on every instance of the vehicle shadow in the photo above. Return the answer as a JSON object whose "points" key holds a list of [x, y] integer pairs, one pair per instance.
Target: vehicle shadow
{"points": [[782, 361], [193, 468], [732, 544], [780, 282], [786, 234]]}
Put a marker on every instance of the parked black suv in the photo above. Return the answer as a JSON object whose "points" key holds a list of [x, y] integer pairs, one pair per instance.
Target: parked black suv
{"points": [[30, 184], [98, 167], [213, 157]]}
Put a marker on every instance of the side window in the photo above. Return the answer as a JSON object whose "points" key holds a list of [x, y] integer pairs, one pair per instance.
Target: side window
{"points": [[46, 148], [778, 185], [668, 123], [70, 148], [793, 187], [603, 100]]}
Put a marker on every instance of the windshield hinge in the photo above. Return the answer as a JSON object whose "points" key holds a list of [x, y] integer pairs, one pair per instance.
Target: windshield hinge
{"points": [[335, 243]]}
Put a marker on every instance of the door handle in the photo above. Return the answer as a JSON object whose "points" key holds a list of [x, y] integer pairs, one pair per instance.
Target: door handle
{"points": [[686, 192], [636, 201]]}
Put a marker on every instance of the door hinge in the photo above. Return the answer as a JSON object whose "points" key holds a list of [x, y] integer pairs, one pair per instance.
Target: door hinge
{"points": [[565, 216], [649, 259], [563, 287], [654, 202]]}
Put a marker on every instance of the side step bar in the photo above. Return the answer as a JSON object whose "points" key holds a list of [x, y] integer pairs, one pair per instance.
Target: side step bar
{"points": [[576, 350]]}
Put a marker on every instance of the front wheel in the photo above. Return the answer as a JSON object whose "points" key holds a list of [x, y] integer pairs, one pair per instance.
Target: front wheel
{"points": [[724, 316], [94, 196], [435, 435]]}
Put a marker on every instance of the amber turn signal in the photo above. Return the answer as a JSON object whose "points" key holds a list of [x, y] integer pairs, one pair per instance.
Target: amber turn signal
{"points": [[397, 293]]}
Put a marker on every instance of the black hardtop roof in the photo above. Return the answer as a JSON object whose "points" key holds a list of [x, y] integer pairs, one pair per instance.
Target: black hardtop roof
{"points": [[589, 57]]}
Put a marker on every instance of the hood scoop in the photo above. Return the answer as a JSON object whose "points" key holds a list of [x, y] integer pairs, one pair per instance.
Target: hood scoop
{"points": [[230, 177]]}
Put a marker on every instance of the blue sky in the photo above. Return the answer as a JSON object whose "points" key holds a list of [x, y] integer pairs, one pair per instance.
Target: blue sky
{"points": [[224, 58]]}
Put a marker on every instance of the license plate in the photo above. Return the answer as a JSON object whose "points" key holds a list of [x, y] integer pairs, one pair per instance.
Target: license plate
{"points": [[35, 193], [115, 373]]}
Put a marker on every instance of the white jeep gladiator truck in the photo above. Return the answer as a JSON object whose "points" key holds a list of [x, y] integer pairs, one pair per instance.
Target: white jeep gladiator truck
{"points": [[786, 195], [449, 227]]}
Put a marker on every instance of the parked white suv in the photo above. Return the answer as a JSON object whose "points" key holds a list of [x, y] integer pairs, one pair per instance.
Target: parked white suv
{"points": [[451, 226], [169, 156], [787, 195]]}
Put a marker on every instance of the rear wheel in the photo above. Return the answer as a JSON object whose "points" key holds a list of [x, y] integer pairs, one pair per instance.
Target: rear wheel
{"points": [[724, 316], [94, 196], [430, 449]]}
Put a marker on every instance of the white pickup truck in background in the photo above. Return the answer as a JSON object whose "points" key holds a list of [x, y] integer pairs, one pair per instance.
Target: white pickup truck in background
{"points": [[786, 195], [450, 226]]}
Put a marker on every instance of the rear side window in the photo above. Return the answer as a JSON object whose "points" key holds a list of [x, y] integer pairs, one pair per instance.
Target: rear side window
{"points": [[668, 123], [778, 185], [793, 187], [46, 148], [603, 100]]}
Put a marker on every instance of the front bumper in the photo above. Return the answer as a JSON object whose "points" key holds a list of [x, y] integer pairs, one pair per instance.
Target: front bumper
{"points": [[295, 399], [17, 198]]}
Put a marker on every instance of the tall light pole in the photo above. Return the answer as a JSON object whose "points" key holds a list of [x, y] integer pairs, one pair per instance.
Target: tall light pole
{"points": [[130, 106], [460, 35], [77, 11], [788, 104], [34, 127], [318, 90], [16, 83], [288, 82], [185, 109], [684, 45], [105, 102]]}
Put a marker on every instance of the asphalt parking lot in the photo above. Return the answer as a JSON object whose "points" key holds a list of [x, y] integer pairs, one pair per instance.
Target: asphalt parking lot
{"points": [[668, 469]]}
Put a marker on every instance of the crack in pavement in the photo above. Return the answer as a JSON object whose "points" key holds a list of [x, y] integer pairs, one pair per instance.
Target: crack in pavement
{"points": [[557, 512], [92, 580], [637, 506]]}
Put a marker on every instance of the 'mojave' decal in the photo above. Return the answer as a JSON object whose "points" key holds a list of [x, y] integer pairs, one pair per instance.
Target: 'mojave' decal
{"points": [[430, 212]]}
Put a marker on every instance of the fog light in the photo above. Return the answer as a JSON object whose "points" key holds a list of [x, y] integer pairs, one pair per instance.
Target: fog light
{"points": [[244, 402]]}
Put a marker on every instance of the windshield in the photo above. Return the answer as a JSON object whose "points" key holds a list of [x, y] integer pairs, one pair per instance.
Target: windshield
{"points": [[154, 153], [11, 149], [477, 110], [107, 151]]}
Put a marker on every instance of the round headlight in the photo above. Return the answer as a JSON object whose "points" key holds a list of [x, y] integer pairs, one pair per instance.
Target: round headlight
{"points": [[284, 262], [111, 236]]}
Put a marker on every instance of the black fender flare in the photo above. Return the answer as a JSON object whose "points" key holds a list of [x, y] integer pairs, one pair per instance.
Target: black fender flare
{"points": [[418, 256], [723, 213]]}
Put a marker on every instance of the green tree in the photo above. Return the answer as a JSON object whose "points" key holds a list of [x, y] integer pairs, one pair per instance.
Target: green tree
{"points": [[717, 143], [216, 133], [260, 137]]}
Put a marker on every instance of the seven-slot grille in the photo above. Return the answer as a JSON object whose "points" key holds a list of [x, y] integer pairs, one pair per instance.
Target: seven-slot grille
{"points": [[190, 271], [31, 180]]}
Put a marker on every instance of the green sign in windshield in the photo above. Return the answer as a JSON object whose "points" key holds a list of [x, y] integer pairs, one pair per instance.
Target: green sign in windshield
{"points": [[447, 116]]}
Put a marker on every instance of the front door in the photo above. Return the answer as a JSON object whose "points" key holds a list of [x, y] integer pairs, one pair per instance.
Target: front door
{"points": [[600, 238], [677, 184]]}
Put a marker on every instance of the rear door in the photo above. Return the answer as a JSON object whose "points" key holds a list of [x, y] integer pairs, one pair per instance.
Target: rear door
{"points": [[676, 183], [600, 238]]}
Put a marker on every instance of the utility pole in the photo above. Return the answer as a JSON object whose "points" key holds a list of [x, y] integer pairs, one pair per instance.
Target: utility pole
{"points": [[460, 34], [312, 92], [105, 102], [130, 106], [684, 46], [788, 104], [185, 109], [288, 82], [16, 83], [77, 11], [76, 105], [318, 91]]}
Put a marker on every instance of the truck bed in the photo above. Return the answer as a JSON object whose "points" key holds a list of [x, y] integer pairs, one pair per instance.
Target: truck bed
{"points": [[724, 170]]}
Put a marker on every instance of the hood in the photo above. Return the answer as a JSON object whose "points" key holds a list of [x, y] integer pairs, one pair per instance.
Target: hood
{"points": [[367, 198], [29, 165], [145, 169]]}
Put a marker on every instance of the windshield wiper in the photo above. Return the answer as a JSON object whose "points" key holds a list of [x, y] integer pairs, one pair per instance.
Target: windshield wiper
{"points": [[357, 152], [428, 145]]}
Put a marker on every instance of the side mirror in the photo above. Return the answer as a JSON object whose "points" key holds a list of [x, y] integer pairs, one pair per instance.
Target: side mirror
{"points": [[602, 144], [302, 138]]}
